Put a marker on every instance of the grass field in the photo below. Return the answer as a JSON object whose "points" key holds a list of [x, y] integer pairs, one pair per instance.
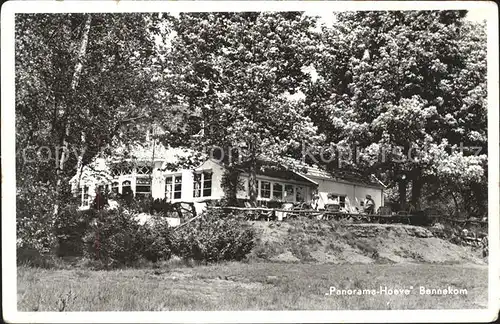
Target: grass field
{"points": [[249, 286]]}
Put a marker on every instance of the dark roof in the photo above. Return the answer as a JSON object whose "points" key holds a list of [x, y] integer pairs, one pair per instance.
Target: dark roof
{"points": [[275, 170], [317, 172]]}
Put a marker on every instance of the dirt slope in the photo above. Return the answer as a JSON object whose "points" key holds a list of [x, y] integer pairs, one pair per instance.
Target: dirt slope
{"points": [[333, 242]]}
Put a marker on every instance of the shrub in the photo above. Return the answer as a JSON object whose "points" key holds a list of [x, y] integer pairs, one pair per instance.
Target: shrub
{"points": [[34, 218], [214, 237], [113, 238], [70, 227], [163, 207], [117, 239], [31, 257], [157, 239], [146, 204]]}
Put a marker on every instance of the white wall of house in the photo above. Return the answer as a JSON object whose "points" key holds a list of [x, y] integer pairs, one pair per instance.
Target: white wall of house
{"points": [[289, 188], [157, 181], [217, 174], [306, 187], [187, 184], [351, 190]]}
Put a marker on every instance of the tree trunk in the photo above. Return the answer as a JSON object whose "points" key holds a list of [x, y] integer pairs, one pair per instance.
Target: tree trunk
{"points": [[252, 183], [416, 190], [402, 184], [74, 83], [457, 206], [230, 185]]}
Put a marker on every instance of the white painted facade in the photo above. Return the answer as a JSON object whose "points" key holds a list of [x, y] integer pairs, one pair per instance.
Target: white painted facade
{"points": [[279, 189], [180, 186], [355, 192]]}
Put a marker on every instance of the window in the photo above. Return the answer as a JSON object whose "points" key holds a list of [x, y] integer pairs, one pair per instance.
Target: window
{"points": [[126, 189], [202, 184], [126, 170], [277, 191], [265, 189], [114, 186], [115, 171], [85, 196], [288, 192], [197, 185], [144, 169], [168, 188], [299, 194], [173, 187], [207, 184], [143, 186], [178, 187], [342, 201], [337, 199]]}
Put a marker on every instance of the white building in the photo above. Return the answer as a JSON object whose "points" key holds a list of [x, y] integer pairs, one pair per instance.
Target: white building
{"points": [[146, 172]]}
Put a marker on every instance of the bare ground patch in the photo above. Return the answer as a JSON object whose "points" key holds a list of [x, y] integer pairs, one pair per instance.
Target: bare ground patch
{"points": [[334, 242]]}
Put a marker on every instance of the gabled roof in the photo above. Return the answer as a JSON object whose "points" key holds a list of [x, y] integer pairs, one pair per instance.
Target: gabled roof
{"points": [[147, 152], [96, 171], [317, 172], [99, 169], [293, 169], [274, 170]]}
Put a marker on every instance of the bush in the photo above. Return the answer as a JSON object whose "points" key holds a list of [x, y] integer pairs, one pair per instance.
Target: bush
{"points": [[157, 239], [146, 204], [35, 217], [31, 257], [117, 239], [214, 237], [163, 207], [70, 227]]}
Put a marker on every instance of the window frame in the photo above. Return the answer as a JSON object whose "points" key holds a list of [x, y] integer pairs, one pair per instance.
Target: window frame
{"points": [[281, 191], [173, 192], [86, 196], [300, 190], [200, 192], [261, 190], [285, 195], [148, 172], [137, 184], [115, 185], [342, 204]]}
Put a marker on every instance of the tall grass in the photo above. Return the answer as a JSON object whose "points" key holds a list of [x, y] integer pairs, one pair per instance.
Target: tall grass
{"points": [[246, 286]]}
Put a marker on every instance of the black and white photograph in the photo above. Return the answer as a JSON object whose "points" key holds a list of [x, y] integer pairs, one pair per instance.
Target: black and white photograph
{"points": [[191, 161]]}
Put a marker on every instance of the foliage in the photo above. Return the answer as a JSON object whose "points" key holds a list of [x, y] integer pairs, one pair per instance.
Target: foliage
{"points": [[405, 84], [60, 111], [214, 238], [163, 207], [116, 239], [70, 228], [231, 184], [34, 218], [147, 204], [100, 201], [259, 83], [158, 240], [238, 72]]}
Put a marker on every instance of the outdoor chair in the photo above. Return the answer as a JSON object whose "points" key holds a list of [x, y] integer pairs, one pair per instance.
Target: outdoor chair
{"points": [[384, 210], [280, 214]]}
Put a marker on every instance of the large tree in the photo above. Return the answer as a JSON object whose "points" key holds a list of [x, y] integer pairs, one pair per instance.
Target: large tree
{"points": [[242, 73], [405, 88], [79, 77]]}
